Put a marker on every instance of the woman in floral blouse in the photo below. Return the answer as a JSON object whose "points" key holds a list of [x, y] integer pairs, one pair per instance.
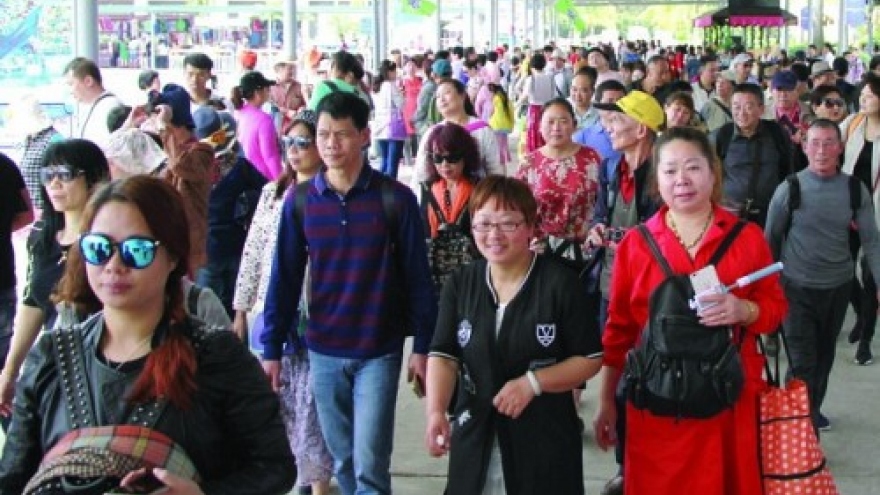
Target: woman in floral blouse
{"points": [[564, 177], [302, 162]]}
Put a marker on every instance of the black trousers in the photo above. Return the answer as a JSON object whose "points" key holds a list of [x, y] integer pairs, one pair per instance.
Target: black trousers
{"points": [[815, 317], [868, 306]]}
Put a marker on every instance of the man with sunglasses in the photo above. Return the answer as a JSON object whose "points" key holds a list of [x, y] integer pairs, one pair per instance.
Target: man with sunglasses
{"points": [[15, 213]]}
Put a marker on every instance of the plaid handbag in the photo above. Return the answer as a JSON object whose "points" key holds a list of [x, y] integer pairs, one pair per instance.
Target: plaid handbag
{"points": [[792, 460], [93, 459]]}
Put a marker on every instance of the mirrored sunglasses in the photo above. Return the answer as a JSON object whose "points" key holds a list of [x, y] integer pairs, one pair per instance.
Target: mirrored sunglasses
{"points": [[64, 173], [300, 142], [135, 252]]}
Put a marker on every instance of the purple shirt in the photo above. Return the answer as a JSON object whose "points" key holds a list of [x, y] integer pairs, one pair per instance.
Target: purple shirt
{"points": [[256, 133]]}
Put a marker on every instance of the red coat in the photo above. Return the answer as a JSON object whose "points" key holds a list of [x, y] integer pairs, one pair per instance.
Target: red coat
{"points": [[713, 456]]}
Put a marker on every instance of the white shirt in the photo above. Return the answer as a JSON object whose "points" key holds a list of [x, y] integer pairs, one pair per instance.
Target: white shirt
{"points": [[91, 120]]}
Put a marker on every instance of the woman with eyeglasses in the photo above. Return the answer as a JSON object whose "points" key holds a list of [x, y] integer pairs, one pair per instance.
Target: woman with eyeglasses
{"points": [[510, 338], [69, 173], [453, 170], [314, 464], [455, 107], [861, 155], [143, 362]]}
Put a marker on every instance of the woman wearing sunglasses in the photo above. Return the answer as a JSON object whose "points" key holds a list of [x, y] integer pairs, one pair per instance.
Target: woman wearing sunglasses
{"points": [[70, 171], [314, 464], [141, 350], [453, 169], [510, 337], [455, 107], [827, 103]]}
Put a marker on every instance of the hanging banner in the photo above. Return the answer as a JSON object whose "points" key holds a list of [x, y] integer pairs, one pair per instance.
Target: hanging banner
{"points": [[418, 7]]}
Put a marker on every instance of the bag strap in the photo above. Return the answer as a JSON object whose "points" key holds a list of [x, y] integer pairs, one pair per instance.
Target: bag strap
{"points": [[716, 257], [753, 179], [726, 243], [192, 299], [432, 202], [774, 376], [655, 250]]}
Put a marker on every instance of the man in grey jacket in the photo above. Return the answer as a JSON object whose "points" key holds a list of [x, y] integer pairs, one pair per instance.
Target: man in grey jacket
{"points": [[808, 230]]}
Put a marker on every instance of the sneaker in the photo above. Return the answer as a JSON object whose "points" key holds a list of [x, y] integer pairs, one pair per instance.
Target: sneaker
{"points": [[863, 354], [856, 333], [823, 423]]}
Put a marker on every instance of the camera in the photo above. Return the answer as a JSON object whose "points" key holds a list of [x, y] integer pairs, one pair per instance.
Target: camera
{"points": [[615, 234], [154, 99]]}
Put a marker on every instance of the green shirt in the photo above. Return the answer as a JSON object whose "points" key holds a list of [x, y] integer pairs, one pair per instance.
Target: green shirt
{"points": [[322, 89]]}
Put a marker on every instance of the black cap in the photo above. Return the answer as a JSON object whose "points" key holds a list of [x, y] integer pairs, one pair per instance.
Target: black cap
{"points": [[253, 81]]}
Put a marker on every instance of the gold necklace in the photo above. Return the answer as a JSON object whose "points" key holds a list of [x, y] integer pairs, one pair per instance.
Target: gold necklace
{"points": [[699, 237]]}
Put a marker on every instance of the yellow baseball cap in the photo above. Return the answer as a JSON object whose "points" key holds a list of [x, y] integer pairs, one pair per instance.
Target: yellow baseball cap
{"points": [[639, 105]]}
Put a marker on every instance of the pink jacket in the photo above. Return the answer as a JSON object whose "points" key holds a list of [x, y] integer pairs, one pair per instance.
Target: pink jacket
{"points": [[259, 140]]}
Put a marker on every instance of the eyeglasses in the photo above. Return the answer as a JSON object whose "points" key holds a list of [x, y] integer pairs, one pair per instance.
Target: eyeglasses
{"points": [[448, 158], [64, 173], [833, 102], [505, 226], [135, 252], [300, 142]]}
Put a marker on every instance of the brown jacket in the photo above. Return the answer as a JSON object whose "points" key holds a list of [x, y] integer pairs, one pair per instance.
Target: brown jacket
{"points": [[191, 170]]}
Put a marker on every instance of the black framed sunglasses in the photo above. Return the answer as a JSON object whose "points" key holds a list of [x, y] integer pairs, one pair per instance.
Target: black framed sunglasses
{"points": [[64, 173], [437, 158], [833, 102], [135, 252], [300, 142]]}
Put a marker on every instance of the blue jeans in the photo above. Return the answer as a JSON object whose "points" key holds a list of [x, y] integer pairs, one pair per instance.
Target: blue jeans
{"points": [[220, 275], [390, 153], [360, 442]]}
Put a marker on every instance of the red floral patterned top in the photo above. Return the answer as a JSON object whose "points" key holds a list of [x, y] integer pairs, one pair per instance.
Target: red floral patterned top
{"points": [[566, 190]]}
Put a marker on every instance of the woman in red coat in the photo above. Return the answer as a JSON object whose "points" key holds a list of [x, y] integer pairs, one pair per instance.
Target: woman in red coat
{"points": [[667, 455]]}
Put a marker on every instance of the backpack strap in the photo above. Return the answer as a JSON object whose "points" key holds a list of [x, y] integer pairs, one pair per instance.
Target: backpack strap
{"points": [[794, 199], [300, 197], [332, 85], [723, 139], [726, 243], [432, 202], [655, 250], [192, 299]]}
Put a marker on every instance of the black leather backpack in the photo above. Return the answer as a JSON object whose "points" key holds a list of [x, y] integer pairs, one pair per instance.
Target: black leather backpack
{"points": [[682, 368]]}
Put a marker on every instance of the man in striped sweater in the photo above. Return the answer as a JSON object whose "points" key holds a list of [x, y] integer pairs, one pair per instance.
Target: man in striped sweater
{"points": [[369, 288]]}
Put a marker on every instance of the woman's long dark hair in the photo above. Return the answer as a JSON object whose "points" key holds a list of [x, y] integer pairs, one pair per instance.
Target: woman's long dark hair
{"points": [[170, 368], [84, 156], [385, 68]]}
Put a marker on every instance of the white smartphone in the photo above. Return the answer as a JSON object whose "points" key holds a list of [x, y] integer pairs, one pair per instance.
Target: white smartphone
{"points": [[705, 279]]}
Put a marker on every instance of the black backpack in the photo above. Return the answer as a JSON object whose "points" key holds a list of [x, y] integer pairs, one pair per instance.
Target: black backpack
{"points": [[681, 368], [452, 248]]}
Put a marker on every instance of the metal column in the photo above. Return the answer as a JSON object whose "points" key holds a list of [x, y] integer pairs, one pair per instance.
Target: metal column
{"points": [[85, 20], [471, 38], [439, 26], [493, 23], [291, 29], [380, 31]]}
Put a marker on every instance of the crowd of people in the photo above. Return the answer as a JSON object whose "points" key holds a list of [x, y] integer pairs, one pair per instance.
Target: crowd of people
{"points": [[172, 239]]}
